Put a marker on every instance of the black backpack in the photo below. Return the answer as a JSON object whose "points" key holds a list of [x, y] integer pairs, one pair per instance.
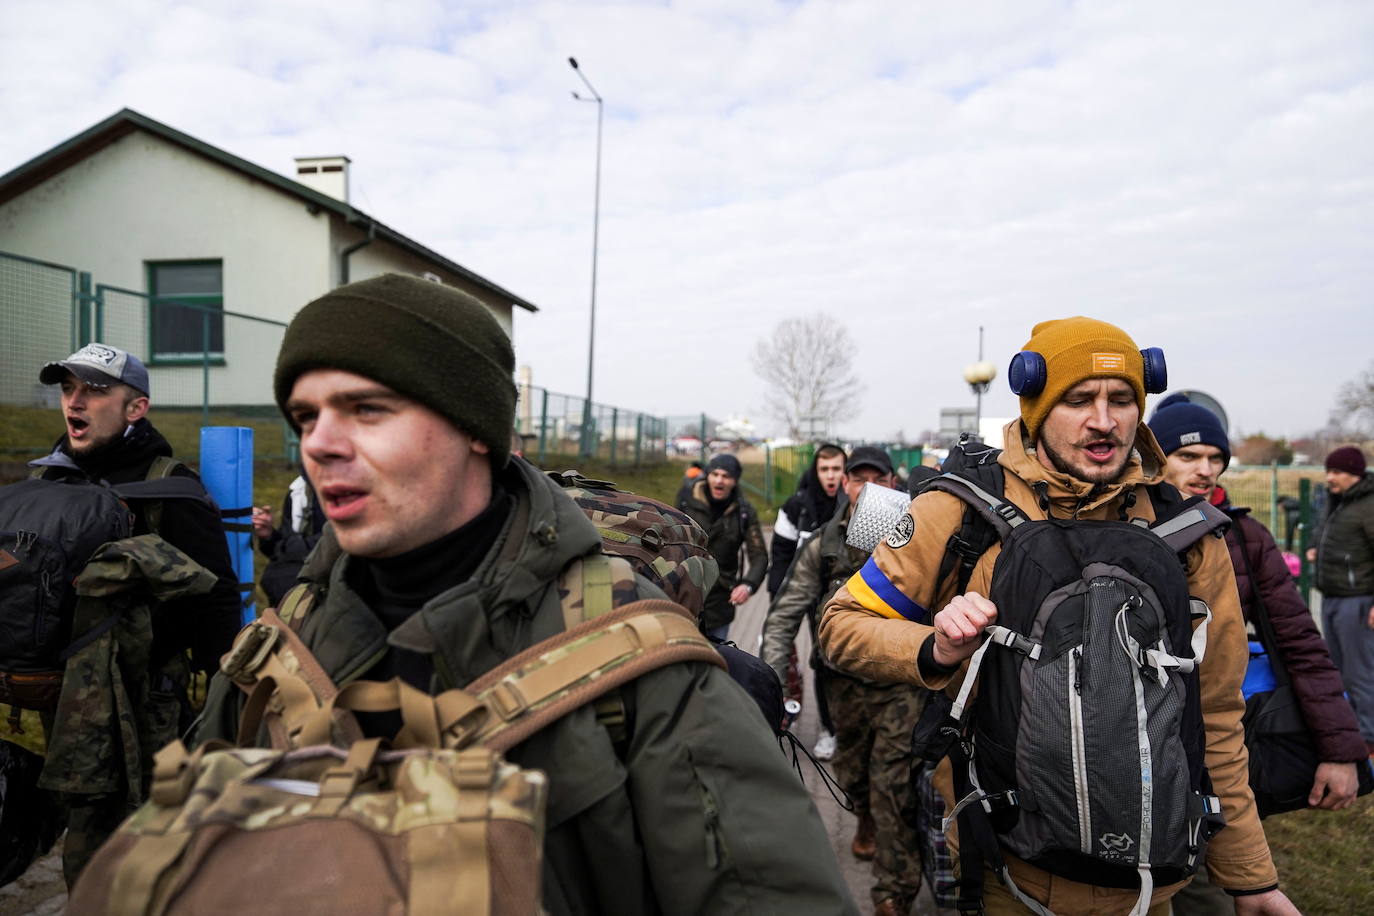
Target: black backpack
{"points": [[1094, 636], [49, 529]]}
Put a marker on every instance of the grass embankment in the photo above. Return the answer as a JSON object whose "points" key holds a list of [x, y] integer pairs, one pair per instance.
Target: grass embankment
{"points": [[1323, 858]]}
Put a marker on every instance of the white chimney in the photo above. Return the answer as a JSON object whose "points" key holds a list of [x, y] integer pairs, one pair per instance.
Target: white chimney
{"points": [[326, 174]]}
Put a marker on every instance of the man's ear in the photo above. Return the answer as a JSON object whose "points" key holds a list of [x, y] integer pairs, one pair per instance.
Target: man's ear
{"points": [[136, 409], [480, 447]]}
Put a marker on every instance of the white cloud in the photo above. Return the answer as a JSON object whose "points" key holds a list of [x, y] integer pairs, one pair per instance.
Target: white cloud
{"points": [[1199, 173]]}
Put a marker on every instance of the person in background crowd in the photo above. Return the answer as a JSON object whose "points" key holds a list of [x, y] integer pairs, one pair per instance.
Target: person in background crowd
{"points": [[1344, 554], [731, 526], [694, 472], [801, 516], [873, 720], [287, 547], [1198, 452]]}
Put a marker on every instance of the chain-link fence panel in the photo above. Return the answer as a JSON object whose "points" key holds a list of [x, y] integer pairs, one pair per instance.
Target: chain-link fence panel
{"points": [[551, 425], [36, 307]]}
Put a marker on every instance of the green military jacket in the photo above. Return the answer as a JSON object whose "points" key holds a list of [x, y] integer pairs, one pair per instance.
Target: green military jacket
{"points": [[696, 813], [822, 565], [110, 719]]}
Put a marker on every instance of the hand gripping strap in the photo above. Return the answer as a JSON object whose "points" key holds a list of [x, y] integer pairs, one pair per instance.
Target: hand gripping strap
{"points": [[556, 676]]}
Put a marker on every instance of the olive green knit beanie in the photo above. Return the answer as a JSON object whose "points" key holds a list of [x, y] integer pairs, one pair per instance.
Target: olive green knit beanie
{"points": [[427, 341]]}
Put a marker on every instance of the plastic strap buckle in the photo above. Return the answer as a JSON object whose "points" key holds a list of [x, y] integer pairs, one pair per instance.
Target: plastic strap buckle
{"points": [[249, 652]]}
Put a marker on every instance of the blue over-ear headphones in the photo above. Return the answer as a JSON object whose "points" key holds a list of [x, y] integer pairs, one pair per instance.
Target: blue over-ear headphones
{"points": [[1027, 372]]}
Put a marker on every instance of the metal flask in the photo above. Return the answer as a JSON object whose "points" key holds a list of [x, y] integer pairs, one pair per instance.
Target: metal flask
{"points": [[876, 513]]}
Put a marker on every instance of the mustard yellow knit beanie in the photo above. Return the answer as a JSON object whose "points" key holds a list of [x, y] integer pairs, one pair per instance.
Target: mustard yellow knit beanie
{"points": [[1075, 349]]}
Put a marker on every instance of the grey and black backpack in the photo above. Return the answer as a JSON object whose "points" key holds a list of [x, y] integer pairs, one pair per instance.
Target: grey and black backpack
{"points": [[1082, 752]]}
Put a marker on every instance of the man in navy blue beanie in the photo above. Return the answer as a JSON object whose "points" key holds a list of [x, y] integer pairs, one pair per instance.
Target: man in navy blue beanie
{"points": [[1198, 451]]}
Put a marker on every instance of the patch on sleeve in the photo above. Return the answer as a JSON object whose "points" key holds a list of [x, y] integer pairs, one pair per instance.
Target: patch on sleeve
{"points": [[901, 533]]}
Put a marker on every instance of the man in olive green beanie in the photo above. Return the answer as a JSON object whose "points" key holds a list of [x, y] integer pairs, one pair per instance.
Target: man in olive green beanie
{"points": [[445, 557], [427, 341]]}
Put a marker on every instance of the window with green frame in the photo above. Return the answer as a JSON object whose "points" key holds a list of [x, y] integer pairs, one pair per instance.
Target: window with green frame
{"points": [[186, 310]]}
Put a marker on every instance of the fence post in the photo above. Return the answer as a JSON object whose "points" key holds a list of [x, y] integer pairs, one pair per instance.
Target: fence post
{"points": [[703, 440], [615, 421], [205, 366], [768, 473], [83, 294], [639, 437], [543, 424], [1304, 520], [1274, 496]]}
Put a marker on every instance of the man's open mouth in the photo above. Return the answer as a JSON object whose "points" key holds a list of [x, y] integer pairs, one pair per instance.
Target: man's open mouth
{"points": [[76, 424], [341, 501]]}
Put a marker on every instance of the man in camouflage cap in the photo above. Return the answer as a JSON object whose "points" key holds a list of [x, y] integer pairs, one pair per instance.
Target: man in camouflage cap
{"points": [[439, 565]]}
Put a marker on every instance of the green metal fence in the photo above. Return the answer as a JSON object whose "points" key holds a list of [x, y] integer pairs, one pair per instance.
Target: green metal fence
{"points": [[559, 425], [205, 365]]}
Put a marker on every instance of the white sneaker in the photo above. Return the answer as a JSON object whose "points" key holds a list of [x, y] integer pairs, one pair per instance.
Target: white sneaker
{"points": [[825, 746]]}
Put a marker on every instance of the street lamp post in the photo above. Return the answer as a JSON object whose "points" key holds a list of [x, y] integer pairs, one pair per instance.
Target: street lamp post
{"points": [[979, 376], [588, 440]]}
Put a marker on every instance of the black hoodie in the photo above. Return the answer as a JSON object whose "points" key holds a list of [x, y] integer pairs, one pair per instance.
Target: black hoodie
{"points": [[206, 624], [804, 512]]}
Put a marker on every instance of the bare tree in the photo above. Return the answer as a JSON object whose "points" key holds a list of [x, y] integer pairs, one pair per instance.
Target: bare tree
{"points": [[1354, 410], [808, 366]]}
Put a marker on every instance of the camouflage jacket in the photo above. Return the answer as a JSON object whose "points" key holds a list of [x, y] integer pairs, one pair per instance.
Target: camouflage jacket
{"points": [[686, 818], [821, 566], [737, 528], [109, 719]]}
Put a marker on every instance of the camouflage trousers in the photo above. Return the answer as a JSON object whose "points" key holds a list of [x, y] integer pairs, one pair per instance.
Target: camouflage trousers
{"points": [[90, 818], [873, 763]]}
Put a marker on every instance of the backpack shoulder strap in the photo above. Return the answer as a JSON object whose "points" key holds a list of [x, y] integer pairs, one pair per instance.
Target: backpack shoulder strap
{"points": [[162, 467], [552, 678], [296, 605], [1182, 523], [159, 484], [988, 517], [586, 587], [267, 660]]}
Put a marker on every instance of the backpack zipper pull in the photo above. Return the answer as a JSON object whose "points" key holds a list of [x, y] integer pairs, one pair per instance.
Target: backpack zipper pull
{"points": [[1078, 671]]}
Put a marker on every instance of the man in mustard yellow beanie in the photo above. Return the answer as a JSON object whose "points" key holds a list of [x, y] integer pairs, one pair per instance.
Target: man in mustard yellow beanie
{"points": [[1081, 611], [1085, 358]]}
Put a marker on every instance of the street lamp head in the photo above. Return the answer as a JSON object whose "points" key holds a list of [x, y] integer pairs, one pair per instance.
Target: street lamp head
{"points": [[572, 62], [980, 373]]}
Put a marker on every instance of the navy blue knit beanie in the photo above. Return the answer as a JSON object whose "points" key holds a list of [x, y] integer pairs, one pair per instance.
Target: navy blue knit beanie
{"points": [[1177, 422], [727, 463]]}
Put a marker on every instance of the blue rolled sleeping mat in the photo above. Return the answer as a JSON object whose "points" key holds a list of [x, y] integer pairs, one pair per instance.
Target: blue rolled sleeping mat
{"points": [[226, 468]]}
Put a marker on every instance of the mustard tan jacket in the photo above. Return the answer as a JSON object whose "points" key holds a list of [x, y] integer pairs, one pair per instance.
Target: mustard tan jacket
{"points": [[875, 626]]}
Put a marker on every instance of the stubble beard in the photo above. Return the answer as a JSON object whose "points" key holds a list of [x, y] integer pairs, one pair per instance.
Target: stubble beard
{"points": [[1097, 476]]}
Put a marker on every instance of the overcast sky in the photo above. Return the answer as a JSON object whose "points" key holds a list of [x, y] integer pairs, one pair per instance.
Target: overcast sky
{"points": [[1200, 173]]}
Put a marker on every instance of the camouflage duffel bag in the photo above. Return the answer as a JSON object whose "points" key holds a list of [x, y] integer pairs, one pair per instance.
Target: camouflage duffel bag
{"points": [[321, 830]]}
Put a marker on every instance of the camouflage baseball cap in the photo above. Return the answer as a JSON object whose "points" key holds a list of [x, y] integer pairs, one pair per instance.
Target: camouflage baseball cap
{"points": [[100, 365]]}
